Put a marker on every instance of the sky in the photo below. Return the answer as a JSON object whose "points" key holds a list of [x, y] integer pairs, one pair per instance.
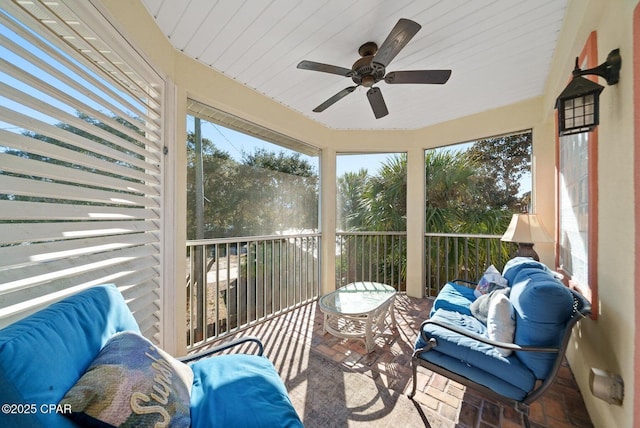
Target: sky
{"points": [[354, 162], [44, 68]]}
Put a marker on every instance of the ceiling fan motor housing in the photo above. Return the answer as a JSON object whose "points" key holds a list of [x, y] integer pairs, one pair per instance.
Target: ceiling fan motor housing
{"points": [[367, 73]]}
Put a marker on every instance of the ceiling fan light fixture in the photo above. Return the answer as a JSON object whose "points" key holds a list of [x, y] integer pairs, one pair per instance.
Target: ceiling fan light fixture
{"points": [[368, 81]]}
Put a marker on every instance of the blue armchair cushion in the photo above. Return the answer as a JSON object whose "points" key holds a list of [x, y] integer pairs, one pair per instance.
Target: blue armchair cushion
{"points": [[132, 383], [478, 376], [454, 297], [508, 370], [542, 306], [513, 268], [239, 390], [42, 356]]}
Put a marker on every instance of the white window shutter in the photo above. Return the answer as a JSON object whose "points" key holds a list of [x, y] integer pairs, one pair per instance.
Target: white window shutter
{"points": [[81, 162]]}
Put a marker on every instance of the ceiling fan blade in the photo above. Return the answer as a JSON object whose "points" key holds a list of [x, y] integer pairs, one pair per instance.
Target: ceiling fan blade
{"points": [[377, 103], [397, 39], [437, 77], [337, 97], [325, 68]]}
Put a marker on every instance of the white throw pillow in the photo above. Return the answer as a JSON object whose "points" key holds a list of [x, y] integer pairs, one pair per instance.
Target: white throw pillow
{"points": [[501, 321]]}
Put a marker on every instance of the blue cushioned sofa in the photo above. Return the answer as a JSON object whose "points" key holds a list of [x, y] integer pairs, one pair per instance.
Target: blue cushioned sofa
{"points": [[454, 343], [43, 356]]}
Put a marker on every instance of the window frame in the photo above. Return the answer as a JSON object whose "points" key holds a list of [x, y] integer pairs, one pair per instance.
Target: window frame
{"points": [[588, 58]]}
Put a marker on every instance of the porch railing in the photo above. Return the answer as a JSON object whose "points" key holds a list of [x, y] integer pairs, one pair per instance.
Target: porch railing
{"points": [[236, 282], [233, 283], [465, 256], [381, 257], [371, 256]]}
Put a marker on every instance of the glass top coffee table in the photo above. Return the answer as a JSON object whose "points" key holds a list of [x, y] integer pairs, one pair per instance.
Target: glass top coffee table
{"points": [[358, 310]]}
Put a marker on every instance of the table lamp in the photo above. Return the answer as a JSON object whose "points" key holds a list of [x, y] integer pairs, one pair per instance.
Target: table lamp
{"points": [[526, 229]]}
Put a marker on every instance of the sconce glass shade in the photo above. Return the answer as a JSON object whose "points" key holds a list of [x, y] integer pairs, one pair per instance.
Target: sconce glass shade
{"points": [[578, 106], [525, 228]]}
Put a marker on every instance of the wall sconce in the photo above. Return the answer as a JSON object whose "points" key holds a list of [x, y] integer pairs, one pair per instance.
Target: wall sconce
{"points": [[578, 105], [525, 229]]}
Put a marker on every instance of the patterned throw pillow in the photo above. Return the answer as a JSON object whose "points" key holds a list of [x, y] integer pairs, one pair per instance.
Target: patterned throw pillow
{"points": [[491, 279], [132, 383]]}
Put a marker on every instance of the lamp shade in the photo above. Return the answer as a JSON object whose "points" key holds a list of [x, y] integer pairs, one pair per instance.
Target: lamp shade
{"points": [[527, 229]]}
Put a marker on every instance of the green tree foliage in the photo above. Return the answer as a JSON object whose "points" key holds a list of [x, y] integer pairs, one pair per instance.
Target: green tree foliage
{"points": [[449, 189], [468, 191], [90, 129], [221, 196], [351, 187], [374, 203], [472, 191], [501, 164], [285, 191], [264, 193], [385, 197]]}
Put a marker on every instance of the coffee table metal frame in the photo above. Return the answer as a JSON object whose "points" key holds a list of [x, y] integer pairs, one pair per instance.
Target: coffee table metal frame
{"points": [[359, 310]]}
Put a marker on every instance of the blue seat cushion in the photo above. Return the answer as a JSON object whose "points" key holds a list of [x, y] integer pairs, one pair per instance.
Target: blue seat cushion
{"points": [[478, 356], [543, 306], [454, 297], [474, 374], [42, 356], [239, 390]]}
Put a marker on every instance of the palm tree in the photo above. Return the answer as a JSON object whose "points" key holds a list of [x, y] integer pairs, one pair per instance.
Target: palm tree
{"points": [[449, 188], [453, 205], [351, 187], [385, 196], [456, 203]]}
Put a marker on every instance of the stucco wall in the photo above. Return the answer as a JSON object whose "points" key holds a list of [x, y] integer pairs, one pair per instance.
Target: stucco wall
{"points": [[608, 342]]}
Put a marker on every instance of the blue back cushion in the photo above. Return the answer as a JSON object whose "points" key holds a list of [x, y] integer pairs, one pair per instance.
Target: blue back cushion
{"points": [[543, 306], [43, 355], [513, 269]]}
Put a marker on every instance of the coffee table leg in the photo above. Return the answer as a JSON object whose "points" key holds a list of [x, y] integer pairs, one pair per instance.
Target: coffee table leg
{"points": [[393, 313], [324, 324], [368, 334]]}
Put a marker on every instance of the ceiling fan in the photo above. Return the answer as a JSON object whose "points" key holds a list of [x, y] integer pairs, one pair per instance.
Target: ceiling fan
{"points": [[371, 68]]}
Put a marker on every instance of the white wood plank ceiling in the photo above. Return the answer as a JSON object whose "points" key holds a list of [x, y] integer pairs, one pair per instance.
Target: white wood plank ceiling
{"points": [[499, 52]]}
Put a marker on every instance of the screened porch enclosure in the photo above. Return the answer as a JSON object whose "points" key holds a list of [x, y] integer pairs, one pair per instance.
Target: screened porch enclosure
{"points": [[83, 173]]}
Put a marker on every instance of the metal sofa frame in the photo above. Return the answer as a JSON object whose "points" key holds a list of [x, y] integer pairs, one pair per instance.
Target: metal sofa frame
{"points": [[223, 347], [581, 309]]}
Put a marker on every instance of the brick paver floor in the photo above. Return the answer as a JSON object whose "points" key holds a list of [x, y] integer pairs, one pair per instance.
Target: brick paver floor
{"points": [[335, 382]]}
